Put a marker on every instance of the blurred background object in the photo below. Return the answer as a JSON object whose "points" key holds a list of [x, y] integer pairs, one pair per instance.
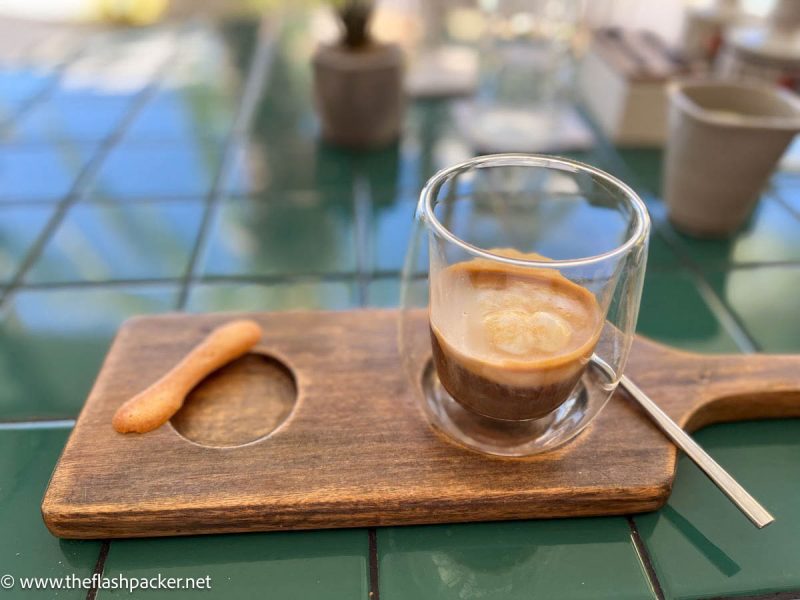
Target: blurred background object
{"points": [[622, 81], [705, 27], [524, 100], [724, 141], [486, 75], [445, 61], [768, 51], [358, 82]]}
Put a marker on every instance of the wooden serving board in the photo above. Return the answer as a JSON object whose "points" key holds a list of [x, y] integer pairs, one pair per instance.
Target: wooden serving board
{"points": [[352, 446]]}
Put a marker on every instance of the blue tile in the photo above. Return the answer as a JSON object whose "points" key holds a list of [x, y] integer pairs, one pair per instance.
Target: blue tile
{"points": [[230, 296], [19, 228], [300, 233], [120, 241], [384, 292], [183, 114], [263, 167], [41, 172], [393, 226], [73, 118], [154, 170], [20, 84], [786, 188]]}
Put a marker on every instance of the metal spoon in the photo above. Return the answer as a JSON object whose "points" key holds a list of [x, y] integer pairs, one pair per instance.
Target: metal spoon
{"points": [[757, 514]]}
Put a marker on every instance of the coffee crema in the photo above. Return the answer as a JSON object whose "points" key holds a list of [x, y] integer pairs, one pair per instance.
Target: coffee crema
{"points": [[511, 342]]}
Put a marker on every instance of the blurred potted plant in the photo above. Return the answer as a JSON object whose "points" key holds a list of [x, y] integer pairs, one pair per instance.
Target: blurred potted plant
{"points": [[358, 83]]}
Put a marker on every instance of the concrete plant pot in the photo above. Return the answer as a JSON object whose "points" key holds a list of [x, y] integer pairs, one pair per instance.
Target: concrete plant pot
{"points": [[359, 94]]}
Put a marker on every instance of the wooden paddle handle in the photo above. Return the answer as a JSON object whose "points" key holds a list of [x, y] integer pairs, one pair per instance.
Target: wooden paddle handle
{"points": [[747, 386], [697, 390], [154, 406]]}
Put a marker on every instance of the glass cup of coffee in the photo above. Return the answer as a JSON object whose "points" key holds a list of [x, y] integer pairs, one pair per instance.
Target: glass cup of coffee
{"points": [[535, 270]]}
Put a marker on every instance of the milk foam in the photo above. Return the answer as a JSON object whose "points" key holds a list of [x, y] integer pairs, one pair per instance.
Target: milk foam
{"points": [[514, 325]]}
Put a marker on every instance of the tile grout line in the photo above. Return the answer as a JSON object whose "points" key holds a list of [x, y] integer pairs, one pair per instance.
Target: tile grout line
{"points": [[99, 569], [89, 170], [288, 279], [714, 265], [287, 195], [279, 279], [105, 283], [9, 204], [730, 321], [779, 198], [362, 202], [255, 84], [726, 316], [374, 587], [790, 595], [47, 90], [37, 424], [644, 556]]}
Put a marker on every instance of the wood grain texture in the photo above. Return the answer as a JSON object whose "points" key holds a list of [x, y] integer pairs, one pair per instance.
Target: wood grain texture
{"points": [[240, 403], [356, 449]]}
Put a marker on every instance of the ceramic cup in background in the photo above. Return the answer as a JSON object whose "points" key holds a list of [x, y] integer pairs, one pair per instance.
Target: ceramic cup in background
{"points": [[724, 140]]}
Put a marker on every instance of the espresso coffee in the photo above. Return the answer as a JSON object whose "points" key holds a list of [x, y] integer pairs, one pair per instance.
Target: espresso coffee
{"points": [[511, 342]]}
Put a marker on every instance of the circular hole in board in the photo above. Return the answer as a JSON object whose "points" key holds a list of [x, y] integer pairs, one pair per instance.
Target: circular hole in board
{"points": [[239, 403]]}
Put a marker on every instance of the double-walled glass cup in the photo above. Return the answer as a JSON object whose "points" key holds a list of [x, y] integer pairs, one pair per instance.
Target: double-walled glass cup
{"points": [[535, 267]]}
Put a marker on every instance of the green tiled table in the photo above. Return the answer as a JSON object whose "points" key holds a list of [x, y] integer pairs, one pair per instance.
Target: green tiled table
{"points": [[146, 197]]}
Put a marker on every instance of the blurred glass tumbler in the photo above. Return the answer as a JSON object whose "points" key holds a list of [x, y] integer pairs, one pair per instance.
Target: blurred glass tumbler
{"points": [[535, 263], [525, 78], [724, 140]]}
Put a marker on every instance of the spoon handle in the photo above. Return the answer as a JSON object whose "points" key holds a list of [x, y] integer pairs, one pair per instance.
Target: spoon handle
{"points": [[757, 514]]}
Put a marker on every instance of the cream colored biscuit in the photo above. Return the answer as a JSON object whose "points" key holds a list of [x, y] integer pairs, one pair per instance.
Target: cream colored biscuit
{"points": [[153, 407]]}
